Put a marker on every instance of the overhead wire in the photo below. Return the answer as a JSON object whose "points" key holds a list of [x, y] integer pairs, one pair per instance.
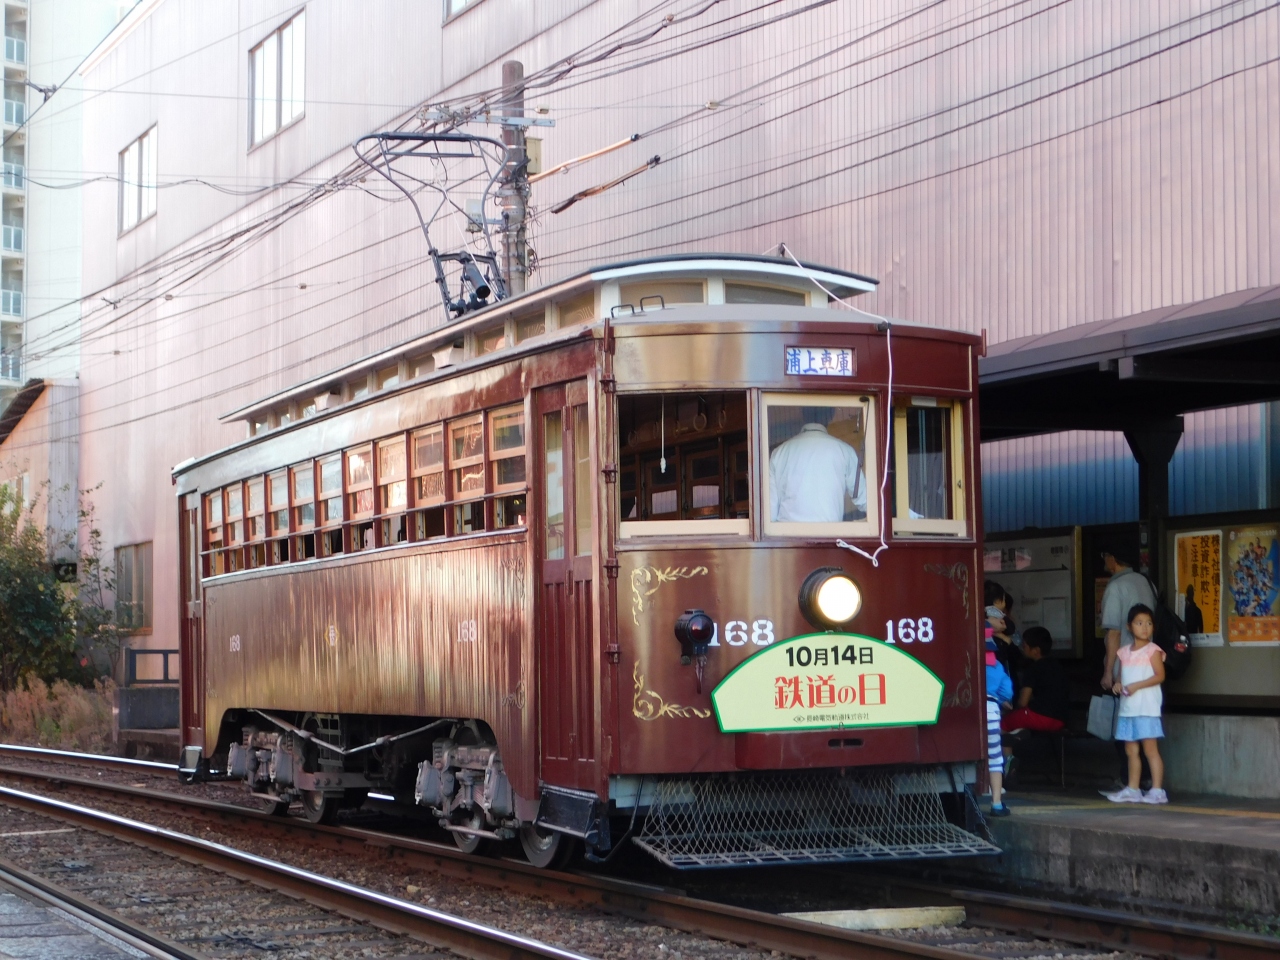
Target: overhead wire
{"points": [[329, 185], [951, 131]]}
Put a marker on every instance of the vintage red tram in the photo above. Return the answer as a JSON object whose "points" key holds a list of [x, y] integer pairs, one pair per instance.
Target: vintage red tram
{"points": [[541, 570]]}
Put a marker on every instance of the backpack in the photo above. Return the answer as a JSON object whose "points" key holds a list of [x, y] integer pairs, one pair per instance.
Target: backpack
{"points": [[1170, 636]]}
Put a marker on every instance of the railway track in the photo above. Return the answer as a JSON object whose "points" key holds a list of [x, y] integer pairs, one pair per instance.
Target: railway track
{"points": [[989, 914], [91, 915]]}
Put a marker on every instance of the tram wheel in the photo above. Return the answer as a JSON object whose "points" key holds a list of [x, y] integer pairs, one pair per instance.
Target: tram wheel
{"points": [[279, 808], [546, 849], [467, 842], [318, 807]]}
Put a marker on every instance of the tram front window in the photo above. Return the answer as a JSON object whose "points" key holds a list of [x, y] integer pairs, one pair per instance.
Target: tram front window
{"points": [[683, 457], [817, 455]]}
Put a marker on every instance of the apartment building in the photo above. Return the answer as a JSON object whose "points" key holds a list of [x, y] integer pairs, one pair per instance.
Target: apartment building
{"points": [[1019, 168]]}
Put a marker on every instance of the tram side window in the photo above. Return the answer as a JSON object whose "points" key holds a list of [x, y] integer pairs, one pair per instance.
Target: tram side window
{"points": [[233, 504], [466, 467], [428, 482], [819, 452], [507, 453], [304, 511], [393, 496], [278, 516], [928, 465], [214, 561], [683, 457], [255, 521], [360, 496], [329, 472]]}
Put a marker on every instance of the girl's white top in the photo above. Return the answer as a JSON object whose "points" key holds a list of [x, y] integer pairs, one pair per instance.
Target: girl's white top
{"points": [[1135, 666]]}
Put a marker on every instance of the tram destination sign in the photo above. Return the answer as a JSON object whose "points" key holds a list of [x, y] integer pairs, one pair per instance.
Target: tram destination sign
{"points": [[820, 361], [824, 681]]}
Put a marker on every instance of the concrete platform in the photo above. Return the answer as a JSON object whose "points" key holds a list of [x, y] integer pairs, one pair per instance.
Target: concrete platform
{"points": [[31, 931], [1210, 856]]}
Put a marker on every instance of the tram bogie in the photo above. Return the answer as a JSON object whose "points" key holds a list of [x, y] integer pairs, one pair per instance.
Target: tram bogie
{"points": [[582, 571]]}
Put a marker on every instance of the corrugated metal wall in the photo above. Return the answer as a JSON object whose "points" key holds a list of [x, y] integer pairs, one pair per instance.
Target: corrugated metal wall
{"points": [[1018, 166], [1086, 477]]}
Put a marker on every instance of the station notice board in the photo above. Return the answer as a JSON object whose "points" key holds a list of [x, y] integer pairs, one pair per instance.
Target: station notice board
{"points": [[1042, 573], [1226, 584]]}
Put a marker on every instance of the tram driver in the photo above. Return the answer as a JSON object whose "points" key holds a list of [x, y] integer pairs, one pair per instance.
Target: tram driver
{"points": [[810, 476]]}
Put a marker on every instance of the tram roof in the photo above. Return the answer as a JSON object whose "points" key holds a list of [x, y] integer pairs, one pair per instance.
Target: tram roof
{"points": [[751, 268]]}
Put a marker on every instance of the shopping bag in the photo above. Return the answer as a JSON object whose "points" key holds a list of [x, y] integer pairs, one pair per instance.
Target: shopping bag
{"points": [[1102, 717]]}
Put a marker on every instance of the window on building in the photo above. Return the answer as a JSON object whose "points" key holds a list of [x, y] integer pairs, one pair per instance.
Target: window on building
{"points": [[19, 493], [133, 587], [928, 467], [454, 7], [138, 180], [277, 69]]}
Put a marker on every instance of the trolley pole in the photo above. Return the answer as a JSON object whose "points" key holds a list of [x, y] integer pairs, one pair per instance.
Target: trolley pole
{"points": [[515, 188]]}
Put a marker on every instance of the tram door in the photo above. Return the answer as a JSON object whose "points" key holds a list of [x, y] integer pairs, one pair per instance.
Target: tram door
{"points": [[191, 636], [566, 669]]}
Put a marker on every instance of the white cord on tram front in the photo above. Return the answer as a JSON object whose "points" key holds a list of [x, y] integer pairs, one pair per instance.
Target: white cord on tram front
{"points": [[887, 327]]}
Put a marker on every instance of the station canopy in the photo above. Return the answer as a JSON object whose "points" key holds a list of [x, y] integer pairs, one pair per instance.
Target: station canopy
{"points": [[1135, 371]]}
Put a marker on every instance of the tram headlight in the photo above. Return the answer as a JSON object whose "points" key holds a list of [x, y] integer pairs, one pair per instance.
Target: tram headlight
{"points": [[694, 630], [829, 598]]}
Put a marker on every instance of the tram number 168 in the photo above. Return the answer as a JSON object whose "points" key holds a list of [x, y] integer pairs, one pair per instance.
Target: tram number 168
{"points": [[909, 630]]}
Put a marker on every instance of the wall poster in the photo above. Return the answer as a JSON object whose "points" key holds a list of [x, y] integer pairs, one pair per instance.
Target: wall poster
{"points": [[1198, 582], [1251, 571]]}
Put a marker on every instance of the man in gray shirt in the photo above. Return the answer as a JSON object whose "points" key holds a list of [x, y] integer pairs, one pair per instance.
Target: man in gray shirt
{"points": [[1125, 589]]}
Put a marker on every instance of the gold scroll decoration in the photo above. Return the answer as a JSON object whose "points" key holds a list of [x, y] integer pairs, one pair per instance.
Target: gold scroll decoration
{"points": [[648, 705], [646, 581]]}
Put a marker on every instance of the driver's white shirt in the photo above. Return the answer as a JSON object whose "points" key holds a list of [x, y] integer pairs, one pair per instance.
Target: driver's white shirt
{"points": [[809, 476]]}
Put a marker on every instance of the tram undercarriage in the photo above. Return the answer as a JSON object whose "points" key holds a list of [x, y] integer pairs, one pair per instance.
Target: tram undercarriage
{"points": [[452, 771]]}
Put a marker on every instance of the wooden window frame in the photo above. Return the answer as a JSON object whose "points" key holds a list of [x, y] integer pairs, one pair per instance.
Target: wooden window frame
{"points": [[416, 471], [870, 527], [295, 502], [958, 525], [511, 453], [324, 522], [454, 464], [229, 520], [352, 489], [384, 481], [273, 479], [250, 515]]}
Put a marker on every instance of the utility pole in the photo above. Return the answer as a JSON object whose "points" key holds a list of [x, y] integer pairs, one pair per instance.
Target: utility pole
{"points": [[515, 188]]}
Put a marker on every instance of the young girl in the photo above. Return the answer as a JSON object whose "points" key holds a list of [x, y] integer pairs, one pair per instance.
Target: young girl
{"points": [[1141, 673]]}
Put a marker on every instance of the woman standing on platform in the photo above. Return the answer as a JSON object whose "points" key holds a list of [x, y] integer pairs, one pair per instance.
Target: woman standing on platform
{"points": [[1141, 674]]}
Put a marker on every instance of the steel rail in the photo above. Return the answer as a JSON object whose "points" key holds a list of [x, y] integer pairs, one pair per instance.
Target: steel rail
{"points": [[1078, 924], [44, 753], [749, 928], [94, 915], [435, 927], [1113, 928]]}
